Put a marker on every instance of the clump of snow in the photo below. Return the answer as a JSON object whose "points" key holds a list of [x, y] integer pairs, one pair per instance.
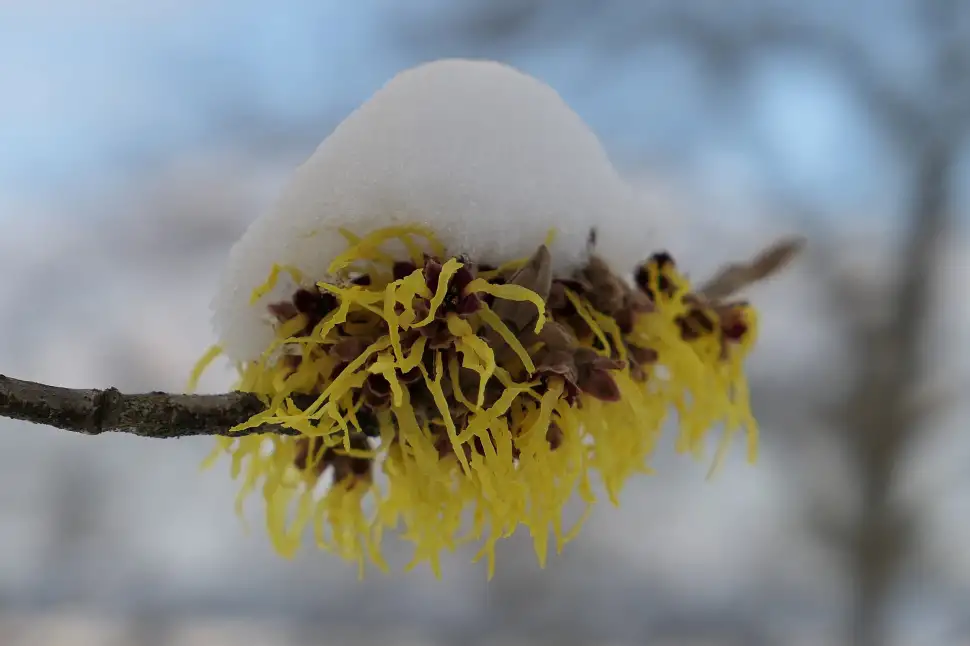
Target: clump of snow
{"points": [[486, 156]]}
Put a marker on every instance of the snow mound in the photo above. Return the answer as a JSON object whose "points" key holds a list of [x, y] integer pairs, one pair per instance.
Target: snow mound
{"points": [[485, 155]]}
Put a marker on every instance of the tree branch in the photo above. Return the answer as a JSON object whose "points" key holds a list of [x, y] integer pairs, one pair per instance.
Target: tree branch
{"points": [[156, 414]]}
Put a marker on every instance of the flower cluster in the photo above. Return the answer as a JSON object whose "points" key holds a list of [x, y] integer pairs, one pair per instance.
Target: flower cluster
{"points": [[423, 386]]}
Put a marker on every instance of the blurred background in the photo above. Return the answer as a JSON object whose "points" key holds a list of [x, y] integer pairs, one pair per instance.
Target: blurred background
{"points": [[138, 140]]}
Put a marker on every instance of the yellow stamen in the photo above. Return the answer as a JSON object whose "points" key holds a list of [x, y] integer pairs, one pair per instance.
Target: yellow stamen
{"points": [[274, 276], [509, 460], [511, 293], [497, 324], [210, 355], [588, 318], [448, 270]]}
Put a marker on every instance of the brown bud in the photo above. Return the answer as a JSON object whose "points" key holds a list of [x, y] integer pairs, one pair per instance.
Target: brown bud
{"points": [[554, 436], [348, 349], [599, 384]]}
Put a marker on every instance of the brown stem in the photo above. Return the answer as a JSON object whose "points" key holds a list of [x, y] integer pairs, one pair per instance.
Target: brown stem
{"points": [[155, 414]]}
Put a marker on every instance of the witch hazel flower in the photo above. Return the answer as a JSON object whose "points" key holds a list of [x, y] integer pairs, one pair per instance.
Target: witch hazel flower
{"points": [[451, 308]]}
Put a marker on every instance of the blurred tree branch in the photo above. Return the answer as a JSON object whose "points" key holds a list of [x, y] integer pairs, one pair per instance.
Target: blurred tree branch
{"points": [[877, 416], [156, 414]]}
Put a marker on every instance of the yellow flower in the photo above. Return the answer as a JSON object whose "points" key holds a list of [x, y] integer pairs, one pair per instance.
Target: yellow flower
{"points": [[424, 386]]}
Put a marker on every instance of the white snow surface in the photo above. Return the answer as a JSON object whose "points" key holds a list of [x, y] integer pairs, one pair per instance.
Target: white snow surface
{"points": [[486, 156]]}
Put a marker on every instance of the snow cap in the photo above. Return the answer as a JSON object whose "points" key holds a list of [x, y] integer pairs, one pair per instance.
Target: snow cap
{"points": [[487, 157]]}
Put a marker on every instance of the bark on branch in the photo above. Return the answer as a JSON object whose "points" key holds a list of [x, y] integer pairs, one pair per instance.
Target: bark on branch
{"points": [[155, 414]]}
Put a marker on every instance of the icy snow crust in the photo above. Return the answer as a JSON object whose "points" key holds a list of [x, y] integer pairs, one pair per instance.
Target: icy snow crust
{"points": [[486, 156]]}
